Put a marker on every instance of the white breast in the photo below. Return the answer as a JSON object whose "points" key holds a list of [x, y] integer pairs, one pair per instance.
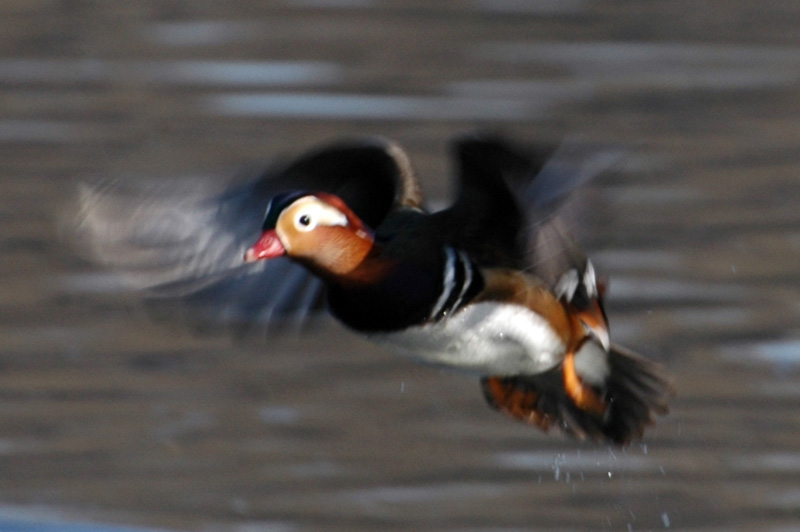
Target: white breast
{"points": [[488, 338]]}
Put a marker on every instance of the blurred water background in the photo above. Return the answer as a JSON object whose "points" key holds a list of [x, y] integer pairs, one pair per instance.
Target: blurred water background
{"points": [[110, 422]]}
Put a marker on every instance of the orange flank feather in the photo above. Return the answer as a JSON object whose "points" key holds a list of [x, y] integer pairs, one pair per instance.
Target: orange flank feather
{"points": [[583, 396], [515, 401], [511, 286]]}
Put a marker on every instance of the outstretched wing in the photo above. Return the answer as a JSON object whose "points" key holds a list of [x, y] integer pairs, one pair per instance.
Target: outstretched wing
{"points": [[510, 208], [553, 211], [184, 239]]}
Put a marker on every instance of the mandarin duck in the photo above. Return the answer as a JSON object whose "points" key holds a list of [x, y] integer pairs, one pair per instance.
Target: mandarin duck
{"points": [[493, 285]]}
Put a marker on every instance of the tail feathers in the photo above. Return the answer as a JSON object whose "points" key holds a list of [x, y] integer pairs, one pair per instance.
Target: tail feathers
{"points": [[635, 391]]}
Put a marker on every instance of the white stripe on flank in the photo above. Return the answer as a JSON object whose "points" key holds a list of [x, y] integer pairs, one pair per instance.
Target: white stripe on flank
{"points": [[589, 280], [449, 282], [467, 278]]}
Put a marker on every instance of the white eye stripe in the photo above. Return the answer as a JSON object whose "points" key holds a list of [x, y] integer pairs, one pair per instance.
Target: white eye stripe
{"points": [[311, 213]]}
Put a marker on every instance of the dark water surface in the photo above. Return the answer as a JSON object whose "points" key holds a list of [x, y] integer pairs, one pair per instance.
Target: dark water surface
{"points": [[107, 417]]}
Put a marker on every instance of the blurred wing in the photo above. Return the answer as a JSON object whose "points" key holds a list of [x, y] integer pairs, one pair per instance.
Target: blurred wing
{"points": [[183, 240], [554, 207], [486, 220], [570, 166], [513, 201]]}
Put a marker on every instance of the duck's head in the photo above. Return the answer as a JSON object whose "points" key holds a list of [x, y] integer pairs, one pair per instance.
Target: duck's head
{"points": [[316, 229]]}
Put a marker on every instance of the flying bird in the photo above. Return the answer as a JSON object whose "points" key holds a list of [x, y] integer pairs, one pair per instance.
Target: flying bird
{"points": [[494, 284]]}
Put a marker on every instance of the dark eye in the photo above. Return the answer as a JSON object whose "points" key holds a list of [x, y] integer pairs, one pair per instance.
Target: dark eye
{"points": [[305, 222]]}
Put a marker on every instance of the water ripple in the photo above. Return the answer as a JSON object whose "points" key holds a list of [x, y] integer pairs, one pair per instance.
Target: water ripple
{"points": [[767, 462], [416, 494], [781, 353], [590, 461], [200, 33], [45, 519], [659, 65], [321, 106], [45, 131], [190, 72], [529, 7], [631, 288]]}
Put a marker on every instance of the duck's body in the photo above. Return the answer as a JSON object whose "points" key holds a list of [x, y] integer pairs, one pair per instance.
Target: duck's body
{"points": [[485, 321], [488, 338], [457, 288], [492, 285]]}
